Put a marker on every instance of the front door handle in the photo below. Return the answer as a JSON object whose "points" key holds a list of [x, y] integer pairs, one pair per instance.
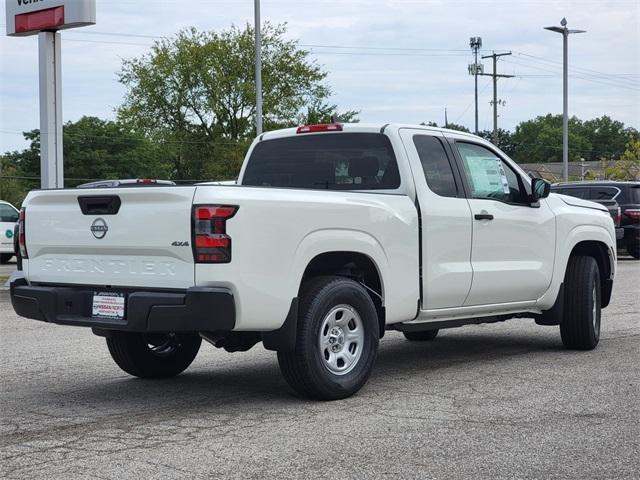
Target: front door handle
{"points": [[483, 216]]}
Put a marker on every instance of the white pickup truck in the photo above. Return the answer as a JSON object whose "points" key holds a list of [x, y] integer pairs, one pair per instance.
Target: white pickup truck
{"points": [[333, 234]]}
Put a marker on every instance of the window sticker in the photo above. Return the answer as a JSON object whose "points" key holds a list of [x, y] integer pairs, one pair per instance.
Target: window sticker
{"points": [[505, 182], [487, 174]]}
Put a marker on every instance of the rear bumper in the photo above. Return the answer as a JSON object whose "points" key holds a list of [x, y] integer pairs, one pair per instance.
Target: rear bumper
{"points": [[197, 309]]}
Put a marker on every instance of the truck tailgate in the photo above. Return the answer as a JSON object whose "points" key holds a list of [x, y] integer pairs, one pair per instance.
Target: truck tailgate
{"points": [[82, 237]]}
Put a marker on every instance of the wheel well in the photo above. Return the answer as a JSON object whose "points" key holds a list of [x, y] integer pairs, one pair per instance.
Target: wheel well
{"points": [[600, 252], [357, 266]]}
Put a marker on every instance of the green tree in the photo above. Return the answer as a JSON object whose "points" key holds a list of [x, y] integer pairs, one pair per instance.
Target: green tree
{"points": [[540, 140], [608, 138], [195, 94], [505, 140], [93, 149], [628, 166]]}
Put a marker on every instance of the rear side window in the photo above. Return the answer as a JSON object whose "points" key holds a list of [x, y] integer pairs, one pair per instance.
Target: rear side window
{"points": [[603, 193], [8, 213], [633, 194], [575, 192], [328, 161], [436, 166]]}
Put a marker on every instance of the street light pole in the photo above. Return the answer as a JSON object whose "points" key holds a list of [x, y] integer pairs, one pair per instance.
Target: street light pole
{"points": [[565, 92], [258, 35]]}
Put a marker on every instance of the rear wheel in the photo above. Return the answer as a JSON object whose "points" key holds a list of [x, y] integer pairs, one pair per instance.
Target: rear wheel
{"points": [[158, 355], [580, 326], [424, 336], [5, 257], [336, 342]]}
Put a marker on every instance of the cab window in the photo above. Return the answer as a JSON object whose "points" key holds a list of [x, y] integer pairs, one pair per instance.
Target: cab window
{"points": [[489, 176], [436, 166]]}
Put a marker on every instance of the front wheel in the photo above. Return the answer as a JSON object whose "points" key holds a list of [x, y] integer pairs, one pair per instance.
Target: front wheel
{"points": [[153, 355], [580, 326], [336, 342]]}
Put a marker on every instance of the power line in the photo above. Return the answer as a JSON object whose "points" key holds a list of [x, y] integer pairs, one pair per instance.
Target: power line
{"points": [[611, 83], [623, 79]]}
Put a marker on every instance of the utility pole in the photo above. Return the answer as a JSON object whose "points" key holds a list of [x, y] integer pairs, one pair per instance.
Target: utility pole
{"points": [[495, 101], [475, 69], [446, 121], [565, 92], [258, 33]]}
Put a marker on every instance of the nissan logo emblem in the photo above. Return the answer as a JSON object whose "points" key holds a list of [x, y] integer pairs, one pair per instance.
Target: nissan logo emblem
{"points": [[99, 228]]}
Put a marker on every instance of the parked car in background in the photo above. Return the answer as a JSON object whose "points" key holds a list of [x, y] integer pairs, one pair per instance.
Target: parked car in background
{"points": [[625, 194], [8, 219]]}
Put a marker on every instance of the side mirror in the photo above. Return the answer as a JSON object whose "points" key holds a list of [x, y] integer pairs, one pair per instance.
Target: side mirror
{"points": [[540, 188]]}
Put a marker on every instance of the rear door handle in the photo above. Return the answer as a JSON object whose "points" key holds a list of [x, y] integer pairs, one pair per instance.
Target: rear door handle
{"points": [[483, 216]]}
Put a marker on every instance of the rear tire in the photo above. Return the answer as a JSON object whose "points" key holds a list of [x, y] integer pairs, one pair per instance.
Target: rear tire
{"points": [[580, 327], [5, 258], [424, 336], [153, 355], [336, 342], [633, 250]]}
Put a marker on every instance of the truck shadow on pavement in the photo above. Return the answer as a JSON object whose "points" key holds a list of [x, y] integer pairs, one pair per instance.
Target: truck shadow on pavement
{"points": [[233, 386]]}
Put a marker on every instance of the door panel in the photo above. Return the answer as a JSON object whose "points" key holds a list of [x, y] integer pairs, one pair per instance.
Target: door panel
{"points": [[513, 243], [512, 254], [446, 220]]}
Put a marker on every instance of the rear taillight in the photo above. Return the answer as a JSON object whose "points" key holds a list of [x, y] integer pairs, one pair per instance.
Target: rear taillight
{"points": [[22, 236], [616, 218], [211, 244], [632, 213], [321, 127]]}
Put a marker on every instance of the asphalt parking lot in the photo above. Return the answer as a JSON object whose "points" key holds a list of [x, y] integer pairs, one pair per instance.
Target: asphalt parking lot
{"points": [[493, 401]]}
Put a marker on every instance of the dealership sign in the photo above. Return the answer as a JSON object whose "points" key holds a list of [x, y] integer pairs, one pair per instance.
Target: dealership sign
{"points": [[29, 17], [44, 18]]}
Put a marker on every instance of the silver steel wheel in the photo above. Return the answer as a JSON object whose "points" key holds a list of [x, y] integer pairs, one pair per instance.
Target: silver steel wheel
{"points": [[341, 339], [162, 345]]}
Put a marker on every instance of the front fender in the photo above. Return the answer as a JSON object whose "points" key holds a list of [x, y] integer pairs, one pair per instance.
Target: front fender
{"points": [[579, 233]]}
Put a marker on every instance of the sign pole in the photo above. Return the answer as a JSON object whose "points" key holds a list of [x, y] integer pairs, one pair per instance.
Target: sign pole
{"points": [[45, 18], [51, 165]]}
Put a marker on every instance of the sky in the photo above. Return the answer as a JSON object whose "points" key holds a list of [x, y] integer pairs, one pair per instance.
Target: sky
{"points": [[393, 60]]}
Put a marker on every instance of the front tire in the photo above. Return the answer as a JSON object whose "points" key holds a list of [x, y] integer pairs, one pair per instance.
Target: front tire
{"points": [[5, 258], [424, 336], [336, 342], [153, 355], [580, 326]]}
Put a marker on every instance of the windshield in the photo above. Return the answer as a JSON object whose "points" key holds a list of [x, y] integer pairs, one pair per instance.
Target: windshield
{"points": [[8, 213], [329, 161]]}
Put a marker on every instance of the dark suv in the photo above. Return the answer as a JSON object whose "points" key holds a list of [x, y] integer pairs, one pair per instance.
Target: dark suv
{"points": [[627, 196]]}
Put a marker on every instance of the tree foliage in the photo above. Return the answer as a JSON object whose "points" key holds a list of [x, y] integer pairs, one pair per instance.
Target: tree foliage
{"points": [[540, 140], [628, 166], [195, 94], [93, 149]]}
